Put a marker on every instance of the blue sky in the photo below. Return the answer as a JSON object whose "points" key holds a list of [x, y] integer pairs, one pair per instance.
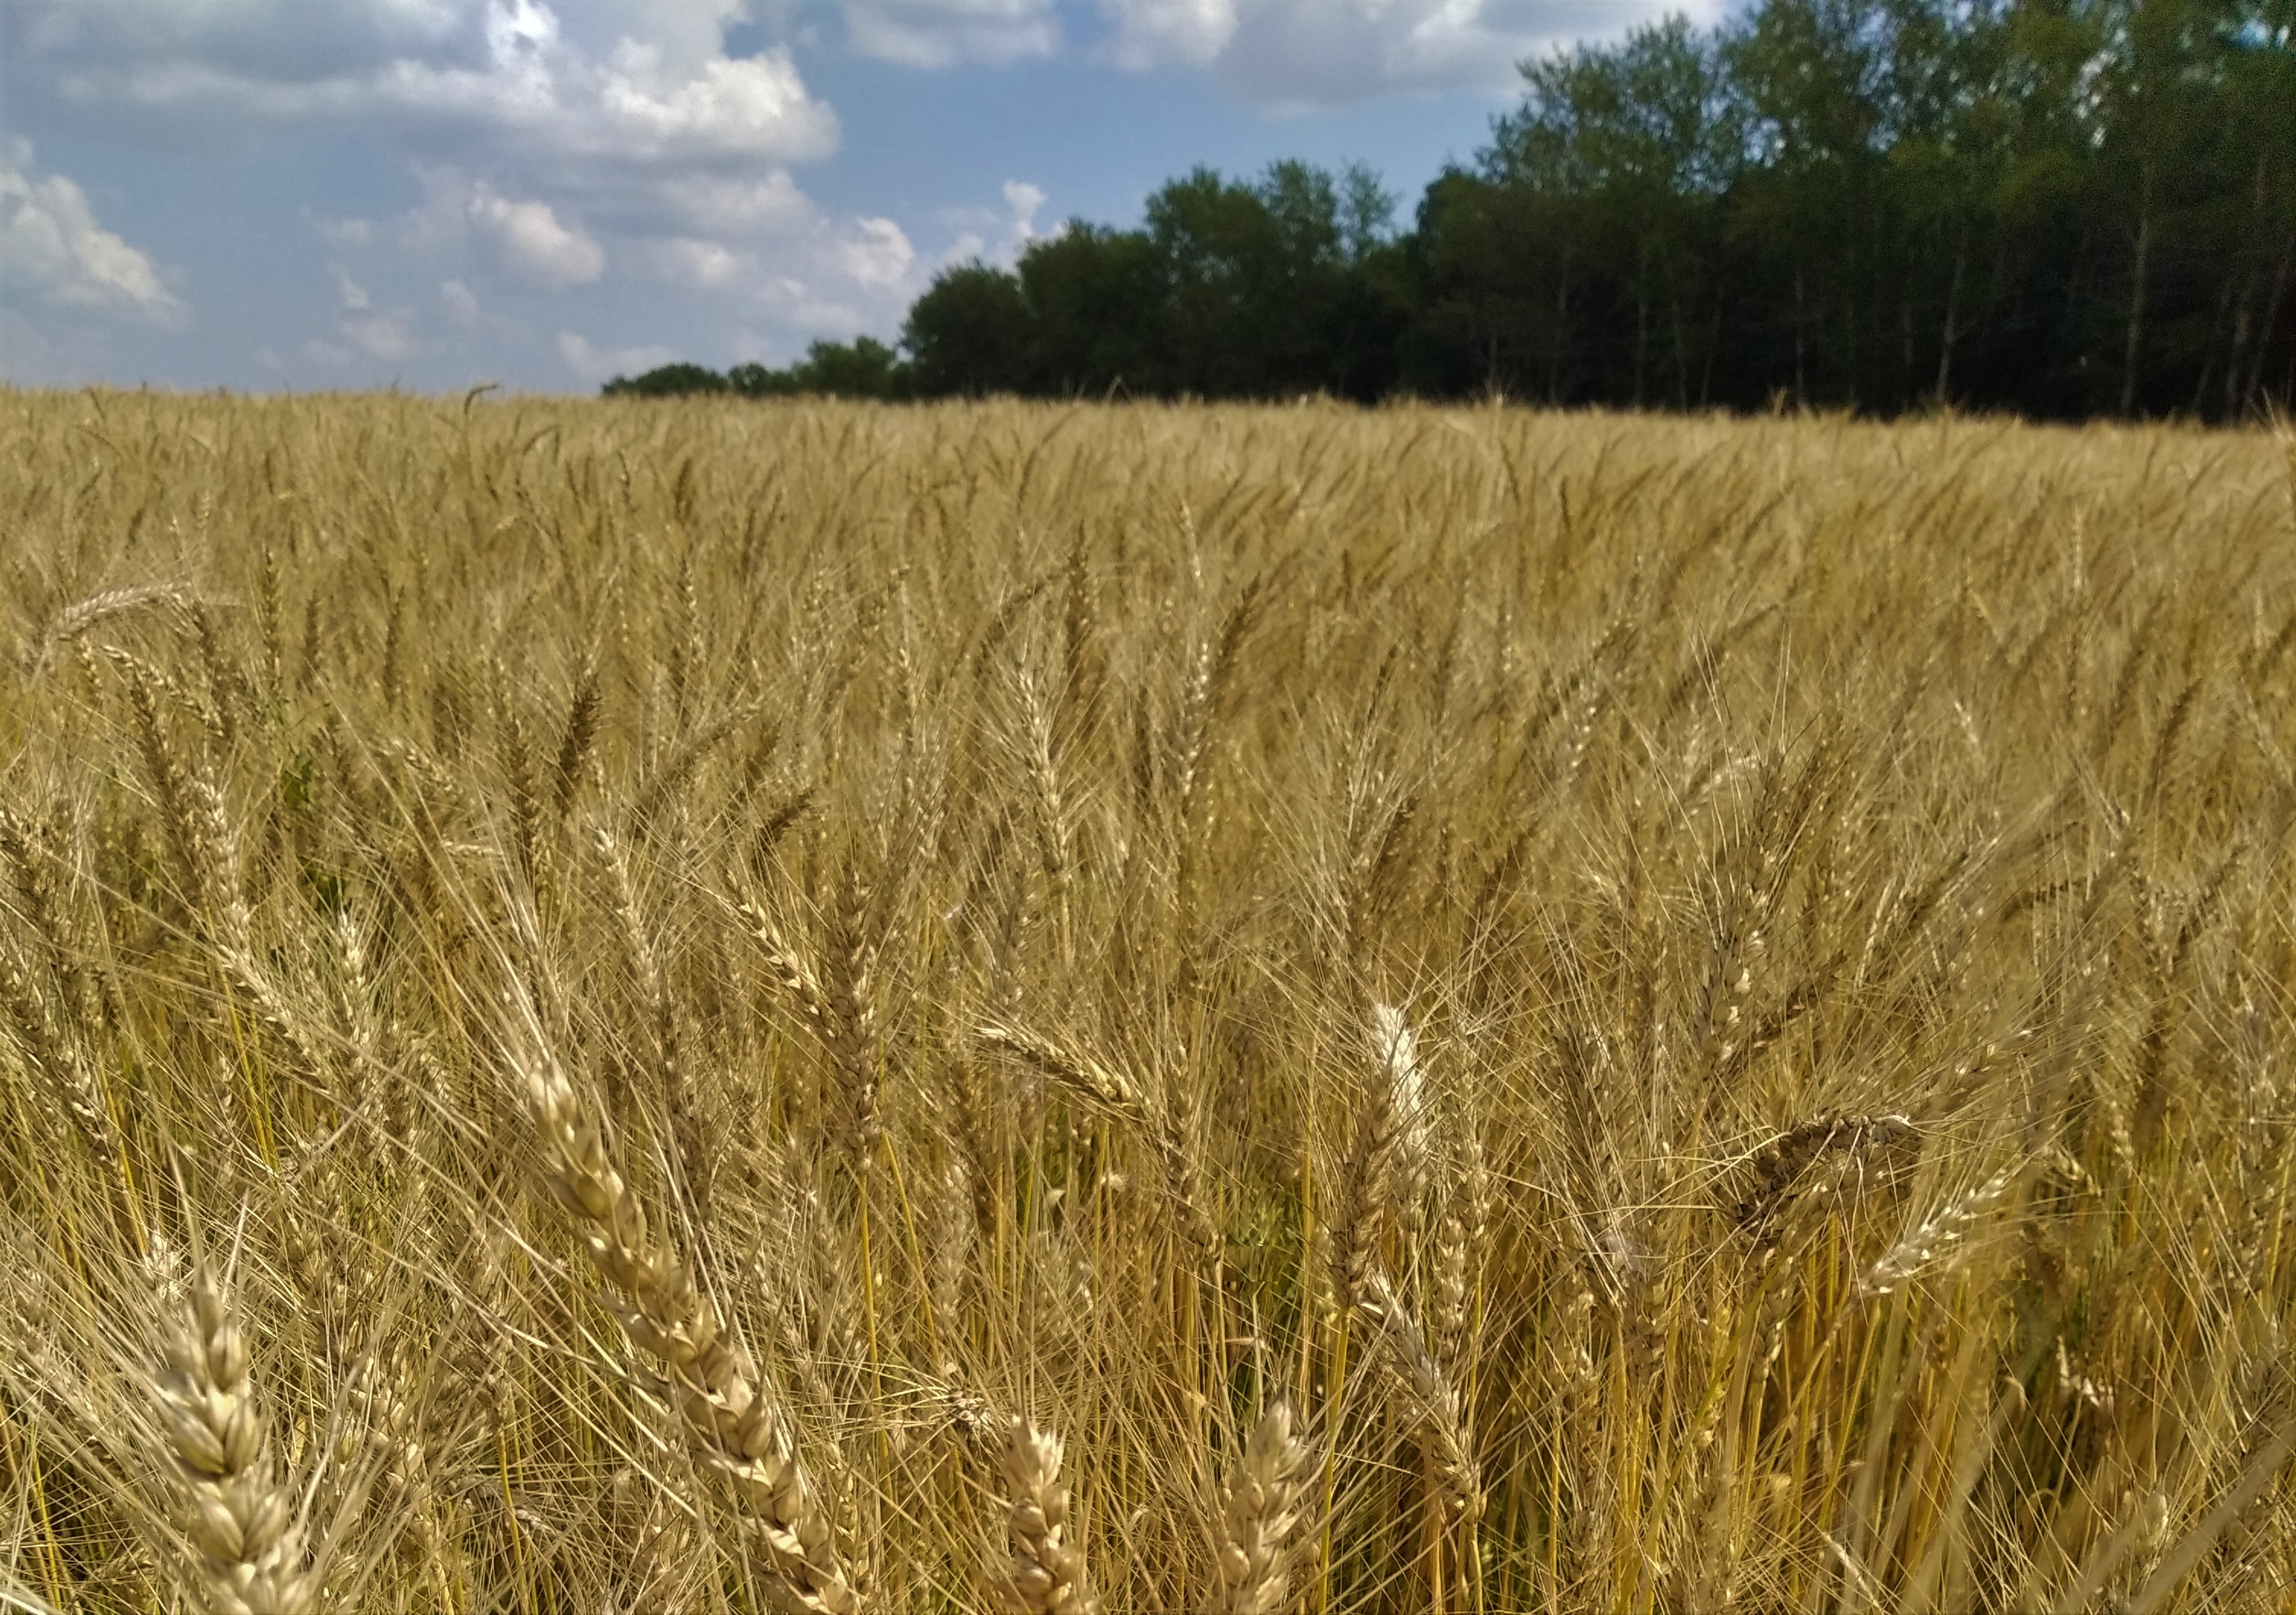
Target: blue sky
{"points": [[304, 193]]}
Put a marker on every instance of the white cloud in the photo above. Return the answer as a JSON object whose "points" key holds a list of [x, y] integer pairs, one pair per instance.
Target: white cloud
{"points": [[719, 247], [824, 277], [877, 254], [556, 145], [53, 249], [1154, 33], [706, 264], [800, 306], [595, 364], [347, 233], [362, 330], [1298, 53], [714, 205], [534, 243], [990, 237], [1025, 201], [388, 337], [588, 80], [756, 107], [459, 216], [941, 33], [348, 293]]}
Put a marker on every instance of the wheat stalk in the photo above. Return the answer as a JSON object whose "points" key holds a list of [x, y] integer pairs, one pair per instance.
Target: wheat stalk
{"points": [[734, 1429], [56, 1058]]}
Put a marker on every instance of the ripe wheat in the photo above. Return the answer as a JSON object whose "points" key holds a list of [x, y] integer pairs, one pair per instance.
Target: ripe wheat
{"points": [[1485, 1011]]}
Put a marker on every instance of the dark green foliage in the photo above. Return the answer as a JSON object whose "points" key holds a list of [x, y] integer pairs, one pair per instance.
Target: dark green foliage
{"points": [[2062, 207], [863, 368], [1259, 290], [972, 334], [2059, 208], [667, 382]]}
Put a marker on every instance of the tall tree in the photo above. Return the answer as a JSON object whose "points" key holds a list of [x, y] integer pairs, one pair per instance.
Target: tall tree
{"points": [[971, 333], [1097, 298], [1813, 77], [2058, 207]]}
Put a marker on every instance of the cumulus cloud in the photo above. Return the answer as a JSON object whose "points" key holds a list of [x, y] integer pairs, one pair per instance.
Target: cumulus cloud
{"points": [[528, 239], [389, 337], [1298, 53], [460, 302], [756, 107], [649, 83], [361, 329], [1025, 201], [695, 261], [1156, 33], [558, 144], [585, 80], [534, 243], [703, 247], [985, 235], [721, 206], [594, 365], [53, 249], [877, 254], [941, 33], [348, 293]]}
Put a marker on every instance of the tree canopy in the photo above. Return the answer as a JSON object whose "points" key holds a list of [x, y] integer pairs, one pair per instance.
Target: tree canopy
{"points": [[2060, 208]]}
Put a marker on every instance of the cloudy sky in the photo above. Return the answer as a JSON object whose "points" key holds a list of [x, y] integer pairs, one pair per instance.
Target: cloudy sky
{"points": [[299, 194]]}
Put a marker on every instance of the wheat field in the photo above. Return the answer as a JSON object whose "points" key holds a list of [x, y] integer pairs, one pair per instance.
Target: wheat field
{"points": [[610, 1007]]}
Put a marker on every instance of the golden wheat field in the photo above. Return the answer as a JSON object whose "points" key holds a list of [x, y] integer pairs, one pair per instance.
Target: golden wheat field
{"points": [[612, 1008]]}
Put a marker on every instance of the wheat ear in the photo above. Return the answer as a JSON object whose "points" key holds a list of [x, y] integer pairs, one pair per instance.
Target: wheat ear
{"points": [[1435, 1405], [1162, 1127], [1048, 1572], [1405, 1081], [1460, 1250], [733, 1428], [1363, 1189], [56, 1060], [1259, 1510], [238, 1517], [1933, 1239], [77, 618]]}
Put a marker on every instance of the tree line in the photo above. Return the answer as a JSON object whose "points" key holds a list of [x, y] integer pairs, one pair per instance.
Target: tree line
{"points": [[2058, 208]]}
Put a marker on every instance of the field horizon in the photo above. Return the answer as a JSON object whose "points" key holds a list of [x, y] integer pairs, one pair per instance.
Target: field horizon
{"points": [[664, 1006]]}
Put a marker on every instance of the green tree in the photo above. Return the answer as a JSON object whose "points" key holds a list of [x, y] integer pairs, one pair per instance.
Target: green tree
{"points": [[971, 333], [1097, 298], [1811, 77], [1637, 140], [862, 368], [667, 382], [1228, 260], [2257, 142]]}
